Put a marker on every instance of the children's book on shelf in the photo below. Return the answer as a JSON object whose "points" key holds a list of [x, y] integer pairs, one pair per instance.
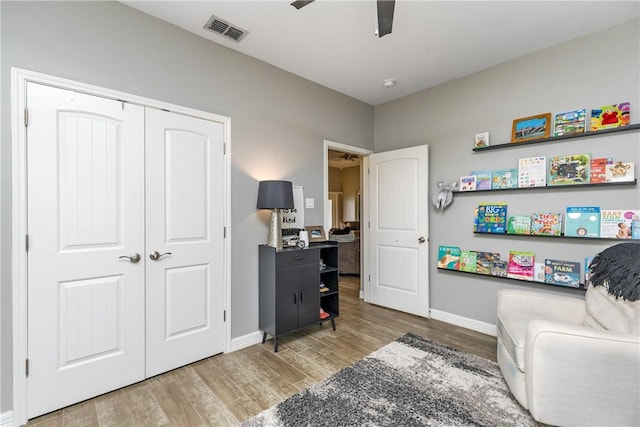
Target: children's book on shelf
{"points": [[582, 221], [610, 116], [616, 223], [599, 169], [504, 178], [483, 179], [449, 257], [570, 122], [521, 265], [620, 172], [538, 272], [468, 183], [482, 140], [475, 219], [532, 172], [569, 169], [563, 273], [485, 261], [499, 268], [519, 224], [468, 260], [587, 274], [546, 224], [635, 227], [492, 218]]}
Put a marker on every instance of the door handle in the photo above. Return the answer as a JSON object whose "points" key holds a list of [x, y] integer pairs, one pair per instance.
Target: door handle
{"points": [[155, 255], [421, 240], [134, 258]]}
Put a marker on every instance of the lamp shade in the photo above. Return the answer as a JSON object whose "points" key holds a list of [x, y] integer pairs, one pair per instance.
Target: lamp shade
{"points": [[275, 195]]}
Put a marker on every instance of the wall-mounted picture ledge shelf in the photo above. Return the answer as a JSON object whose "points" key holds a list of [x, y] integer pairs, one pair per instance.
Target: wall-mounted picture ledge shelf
{"points": [[489, 276], [630, 128], [555, 237], [552, 187]]}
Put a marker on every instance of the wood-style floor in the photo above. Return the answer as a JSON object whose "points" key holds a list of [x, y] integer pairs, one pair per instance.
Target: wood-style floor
{"points": [[230, 388]]}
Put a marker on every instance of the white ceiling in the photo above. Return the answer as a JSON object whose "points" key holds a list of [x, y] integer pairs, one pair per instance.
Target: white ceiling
{"points": [[332, 42]]}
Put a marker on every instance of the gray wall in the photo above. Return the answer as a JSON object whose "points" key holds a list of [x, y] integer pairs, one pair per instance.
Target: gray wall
{"points": [[592, 71], [275, 114], [279, 121]]}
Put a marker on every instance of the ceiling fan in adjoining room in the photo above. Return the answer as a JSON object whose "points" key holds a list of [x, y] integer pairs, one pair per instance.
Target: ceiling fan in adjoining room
{"points": [[385, 14]]}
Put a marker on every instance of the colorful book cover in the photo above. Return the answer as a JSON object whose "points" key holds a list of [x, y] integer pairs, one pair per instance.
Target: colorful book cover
{"points": [[538, 272], [587, 273], [582, 221], [620, 172], [485, 261], [532, 172], [563, 273], [468, 183], [475, 219], [570, 122], [519, 224], [492, 218], [616, 223], [468, 260], [546, 224], [635, 227], [521, 265], [599, 169], [482, 140], [449, 257], [569, 169], [483, 179], [499, 268], [504, 178], [610, 116]]}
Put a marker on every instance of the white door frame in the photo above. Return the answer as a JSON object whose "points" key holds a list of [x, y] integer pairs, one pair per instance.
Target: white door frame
{"points": [[19, 79], [364, 205]]}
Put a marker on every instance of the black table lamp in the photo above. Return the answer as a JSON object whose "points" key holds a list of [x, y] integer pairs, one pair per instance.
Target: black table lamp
{"points": [[275, 195]]}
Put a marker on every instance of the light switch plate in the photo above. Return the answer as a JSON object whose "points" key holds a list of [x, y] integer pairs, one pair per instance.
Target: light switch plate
{"points": [[309, 203]]}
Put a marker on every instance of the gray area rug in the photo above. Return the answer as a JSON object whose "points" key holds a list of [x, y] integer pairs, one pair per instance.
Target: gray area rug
{"points": [[410, 382]]}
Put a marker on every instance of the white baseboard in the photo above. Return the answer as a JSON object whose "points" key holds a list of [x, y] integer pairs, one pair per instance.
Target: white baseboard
{"points": [[245, 341], [465, 322], [6, 419]]}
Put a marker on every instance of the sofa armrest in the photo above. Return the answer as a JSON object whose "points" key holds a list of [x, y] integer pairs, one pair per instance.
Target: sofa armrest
{"points": [[576, 375], [571, 308]]}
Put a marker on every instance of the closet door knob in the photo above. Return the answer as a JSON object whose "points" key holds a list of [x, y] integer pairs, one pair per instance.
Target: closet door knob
{"points": [[421, 240], [132, 258], [155, 255]]}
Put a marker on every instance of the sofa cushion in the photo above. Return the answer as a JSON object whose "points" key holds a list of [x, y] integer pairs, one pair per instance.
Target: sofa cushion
{"points": [[512, 329], [605, 311]]}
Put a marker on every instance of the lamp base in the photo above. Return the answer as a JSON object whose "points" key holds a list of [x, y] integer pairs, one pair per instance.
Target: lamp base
{"points": [[275, 230]]}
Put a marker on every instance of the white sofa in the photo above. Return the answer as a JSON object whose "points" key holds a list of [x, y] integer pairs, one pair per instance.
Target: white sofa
{"points": [[571, 361]]}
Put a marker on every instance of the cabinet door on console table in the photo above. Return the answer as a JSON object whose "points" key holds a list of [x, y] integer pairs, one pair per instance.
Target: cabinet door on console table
{"points": [[289, 290]]}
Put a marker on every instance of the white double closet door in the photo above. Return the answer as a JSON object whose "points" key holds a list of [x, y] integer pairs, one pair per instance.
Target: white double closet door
{"points": [[125, 260]]}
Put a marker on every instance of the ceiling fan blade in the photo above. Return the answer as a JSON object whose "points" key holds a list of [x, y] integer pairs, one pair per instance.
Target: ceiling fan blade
{"points": [[301, 3], [385, 16]]}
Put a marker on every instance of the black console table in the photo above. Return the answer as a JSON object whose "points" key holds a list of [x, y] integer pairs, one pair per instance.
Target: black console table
{"points": [[291, 295]]}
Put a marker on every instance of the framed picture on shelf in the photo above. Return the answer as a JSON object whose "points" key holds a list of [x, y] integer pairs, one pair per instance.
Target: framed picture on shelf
{"points": [[316, 233], [531, 128]]}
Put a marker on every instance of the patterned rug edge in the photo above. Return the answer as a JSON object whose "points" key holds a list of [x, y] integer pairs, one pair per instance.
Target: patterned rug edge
{"points": [[410, 381]]}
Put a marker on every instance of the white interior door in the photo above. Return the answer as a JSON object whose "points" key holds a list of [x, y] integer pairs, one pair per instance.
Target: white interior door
{"points": [[185, 218], [399, 218], [85, 213]]}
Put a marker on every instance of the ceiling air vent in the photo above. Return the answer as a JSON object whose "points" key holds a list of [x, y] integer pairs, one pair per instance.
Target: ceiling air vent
{"points": [[225, 29]]}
